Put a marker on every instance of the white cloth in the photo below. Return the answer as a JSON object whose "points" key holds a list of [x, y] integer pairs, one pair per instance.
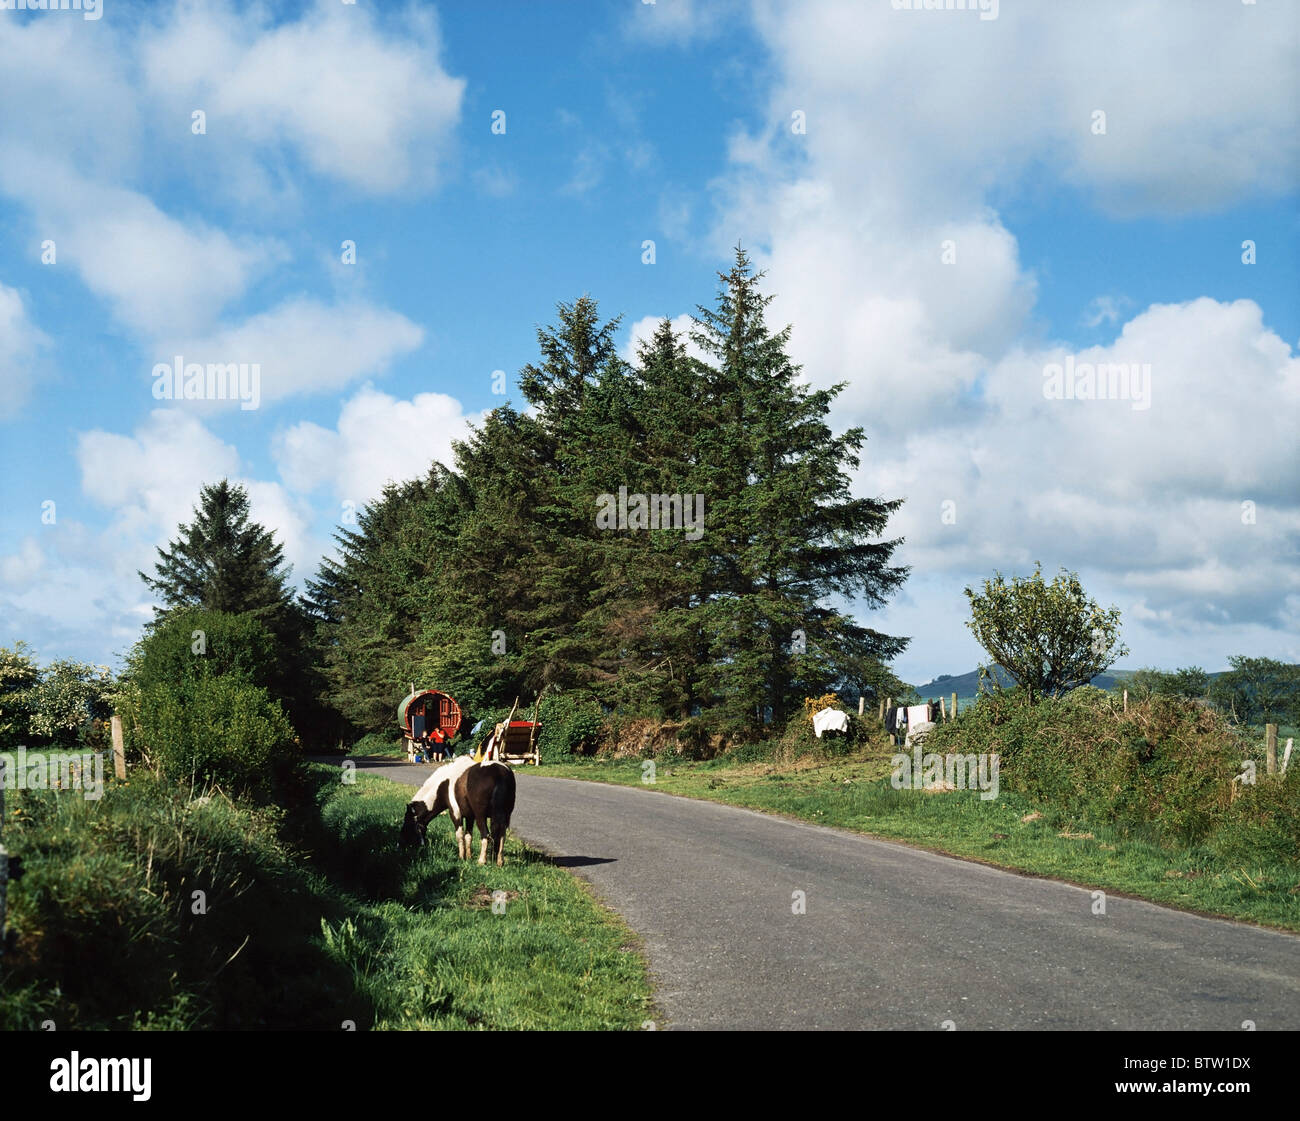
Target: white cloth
{"points": [[918, 714], [830, 720]]}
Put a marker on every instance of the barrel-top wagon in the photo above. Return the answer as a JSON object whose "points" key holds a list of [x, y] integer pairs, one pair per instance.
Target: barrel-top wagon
{"points": [[429, 719]]}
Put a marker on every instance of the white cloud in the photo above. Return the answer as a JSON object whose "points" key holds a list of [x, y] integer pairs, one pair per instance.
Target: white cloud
{"points": [[378, 439], [160, 275], [915, 122], [150, 482], [20, 340], [305, 347], [1148, 499], [356, 103], [681, 22]]}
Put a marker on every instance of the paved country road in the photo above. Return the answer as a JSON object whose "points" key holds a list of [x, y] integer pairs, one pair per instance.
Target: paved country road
{"points": [[892, 937]]}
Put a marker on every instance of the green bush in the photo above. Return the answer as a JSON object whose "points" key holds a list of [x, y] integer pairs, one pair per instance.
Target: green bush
{"points": [[224, 731], [378, 743], [1167, 761], [194, 646], [1263, 823], [571, 724], [105, 929]]}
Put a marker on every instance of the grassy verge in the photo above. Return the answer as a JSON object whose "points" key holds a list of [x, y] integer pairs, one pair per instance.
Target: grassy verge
{"points": [[305, 918], [1010, 832]]}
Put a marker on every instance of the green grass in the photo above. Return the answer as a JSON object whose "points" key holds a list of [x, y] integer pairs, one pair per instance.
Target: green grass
{"points": [[311, 918], [375, 746], [855, 793]]}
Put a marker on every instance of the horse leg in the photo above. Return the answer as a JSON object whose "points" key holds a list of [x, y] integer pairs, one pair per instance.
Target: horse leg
{"points": [[483, 837]]}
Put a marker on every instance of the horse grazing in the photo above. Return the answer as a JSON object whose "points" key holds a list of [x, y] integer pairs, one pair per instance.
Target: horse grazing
{"points": [[485, 793], [437, 794]]}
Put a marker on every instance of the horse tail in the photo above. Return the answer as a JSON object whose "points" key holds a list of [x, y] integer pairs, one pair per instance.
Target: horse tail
{"points": [[503, 805]]}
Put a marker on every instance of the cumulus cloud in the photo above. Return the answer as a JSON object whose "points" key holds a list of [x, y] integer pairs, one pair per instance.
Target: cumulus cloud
{"points": [[77, 588], [150, 483], [357, 103], [157, 273], [378, 439], [304, 346], [1186, 509]]}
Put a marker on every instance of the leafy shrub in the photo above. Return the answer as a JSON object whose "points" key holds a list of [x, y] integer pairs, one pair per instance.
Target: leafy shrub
{"points": [[1167, 761], [377, 743], [224, 731], [1263, 822], [193, 646], [571, 724]]}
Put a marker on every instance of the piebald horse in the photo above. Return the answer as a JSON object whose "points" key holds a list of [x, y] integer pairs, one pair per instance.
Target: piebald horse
{"points": [[437, 794]]}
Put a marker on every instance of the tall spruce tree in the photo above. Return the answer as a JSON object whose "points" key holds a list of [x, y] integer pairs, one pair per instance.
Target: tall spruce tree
{"points": [[222, 561], [785, 532]]}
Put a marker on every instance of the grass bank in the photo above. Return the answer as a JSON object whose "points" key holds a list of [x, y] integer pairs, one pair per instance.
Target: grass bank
{"points": [[156, 908]]}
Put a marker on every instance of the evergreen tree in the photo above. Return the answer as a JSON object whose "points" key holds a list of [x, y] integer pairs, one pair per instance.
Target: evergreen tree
{"points": [[391, 584], [785, 532], [223, 562]]}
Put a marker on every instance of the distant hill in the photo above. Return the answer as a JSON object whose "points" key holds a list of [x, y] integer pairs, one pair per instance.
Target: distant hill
{"points": [[966, 685]]}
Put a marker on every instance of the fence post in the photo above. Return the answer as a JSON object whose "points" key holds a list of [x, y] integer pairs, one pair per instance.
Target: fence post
{"points": [[862, 701], [943, 710], [1286, 755], [954, 706], [1270, 747], [119, 752], [1126, 700]]}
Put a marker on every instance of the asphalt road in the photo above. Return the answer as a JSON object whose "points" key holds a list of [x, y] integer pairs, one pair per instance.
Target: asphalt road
{"points": [[890, 937]]}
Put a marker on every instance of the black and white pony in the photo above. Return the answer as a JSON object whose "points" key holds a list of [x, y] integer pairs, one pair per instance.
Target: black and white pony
{"points": [[472, 793], [437, 794]]}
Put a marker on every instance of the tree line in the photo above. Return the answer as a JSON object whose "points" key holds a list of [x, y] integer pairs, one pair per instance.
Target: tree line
{"points": [[507, 571]]}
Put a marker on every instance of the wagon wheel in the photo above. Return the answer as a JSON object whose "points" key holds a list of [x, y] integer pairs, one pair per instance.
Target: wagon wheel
{"points": [[499, 732]]}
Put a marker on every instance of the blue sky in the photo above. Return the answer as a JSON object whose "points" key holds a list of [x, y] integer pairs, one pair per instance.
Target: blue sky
{"points": [[672, 122]]}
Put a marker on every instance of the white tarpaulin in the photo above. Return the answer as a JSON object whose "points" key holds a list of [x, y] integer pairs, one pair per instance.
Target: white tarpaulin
{"points": [[830, 720]]}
